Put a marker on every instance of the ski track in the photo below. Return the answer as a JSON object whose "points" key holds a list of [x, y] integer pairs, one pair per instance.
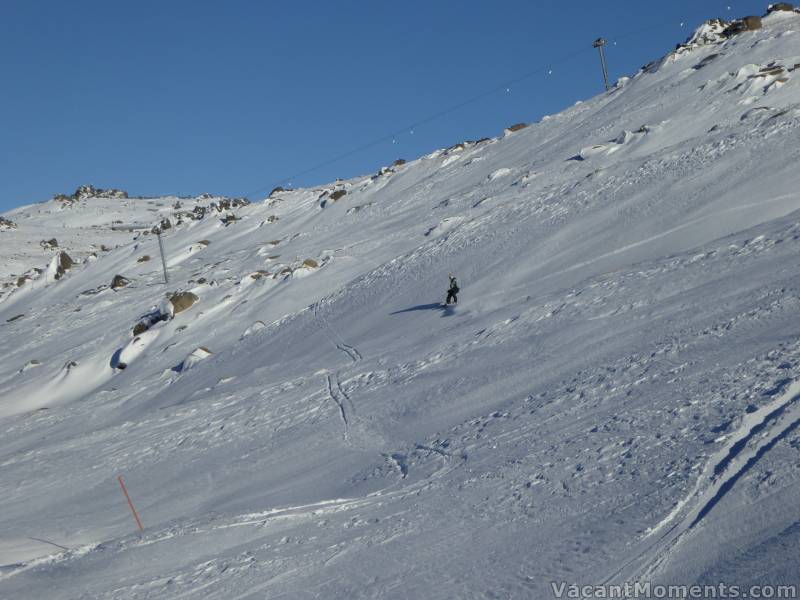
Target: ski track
{"points": [[745, 448], [340, 404], [336, 391]]}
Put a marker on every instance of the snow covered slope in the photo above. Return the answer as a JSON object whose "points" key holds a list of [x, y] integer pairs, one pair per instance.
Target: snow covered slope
{"points": [[614, 398]]}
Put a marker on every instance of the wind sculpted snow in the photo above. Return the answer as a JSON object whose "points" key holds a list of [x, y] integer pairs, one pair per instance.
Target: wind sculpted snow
{"points": [[614, 397]]}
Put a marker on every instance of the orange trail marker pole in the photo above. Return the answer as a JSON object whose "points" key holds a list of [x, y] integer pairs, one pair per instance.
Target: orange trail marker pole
{"points": [[130, 503]]}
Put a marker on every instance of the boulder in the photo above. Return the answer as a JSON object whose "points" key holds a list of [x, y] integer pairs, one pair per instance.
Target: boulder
{"points": [[119, 282], [310, 262], [51, 243], [337, 194], [182, 301], [399, 162], [144, 258], [63, 264]]}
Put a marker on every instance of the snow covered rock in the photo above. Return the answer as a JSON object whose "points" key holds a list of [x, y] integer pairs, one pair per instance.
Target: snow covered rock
{"points": [[6, 224], [196, 356], [85, 192]]}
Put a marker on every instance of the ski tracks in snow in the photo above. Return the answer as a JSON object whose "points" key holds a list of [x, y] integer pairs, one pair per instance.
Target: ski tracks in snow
{"points": [[336, 391], [759, 432]]}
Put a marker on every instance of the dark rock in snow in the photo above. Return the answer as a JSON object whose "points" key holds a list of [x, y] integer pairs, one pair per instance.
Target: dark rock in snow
{"points": [[182, 301], [517, 127], [119, 282], [64, 264]]}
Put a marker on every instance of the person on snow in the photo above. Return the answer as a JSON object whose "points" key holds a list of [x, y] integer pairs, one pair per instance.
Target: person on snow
{"points": [[452, 292]]}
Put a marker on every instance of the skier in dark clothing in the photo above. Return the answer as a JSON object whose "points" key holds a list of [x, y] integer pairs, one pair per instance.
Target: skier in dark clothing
{"points": [[452, 292]]}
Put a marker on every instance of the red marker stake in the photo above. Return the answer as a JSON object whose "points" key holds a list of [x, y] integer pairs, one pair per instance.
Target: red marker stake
{"points": [[130, 503]]}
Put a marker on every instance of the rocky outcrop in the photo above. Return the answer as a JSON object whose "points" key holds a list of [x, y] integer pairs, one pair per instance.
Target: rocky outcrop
{"points": [[7, 224], [182, 301], [517, 127], [276, 190], [311, 263], [780, 7], [336, 195], [144, 258], [750, 23], [49, 244], [399, 162], [89, 191]]}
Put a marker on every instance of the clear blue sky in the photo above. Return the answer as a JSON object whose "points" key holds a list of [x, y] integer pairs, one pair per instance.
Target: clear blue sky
{"points": [[183, 97]]}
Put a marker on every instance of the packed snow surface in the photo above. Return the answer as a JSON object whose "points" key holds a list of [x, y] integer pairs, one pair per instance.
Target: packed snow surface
{"points": [[613, 399]]}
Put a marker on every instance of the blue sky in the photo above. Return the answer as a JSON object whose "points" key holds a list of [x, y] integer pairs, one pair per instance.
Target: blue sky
{"points": [[184, 97]]}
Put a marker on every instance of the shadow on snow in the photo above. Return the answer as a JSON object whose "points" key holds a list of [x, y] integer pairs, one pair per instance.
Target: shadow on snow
{"points": [[446, 310]]}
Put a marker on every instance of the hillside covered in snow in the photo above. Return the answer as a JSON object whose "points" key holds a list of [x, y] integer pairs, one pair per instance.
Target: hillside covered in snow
{"points": [[295, 414]]}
